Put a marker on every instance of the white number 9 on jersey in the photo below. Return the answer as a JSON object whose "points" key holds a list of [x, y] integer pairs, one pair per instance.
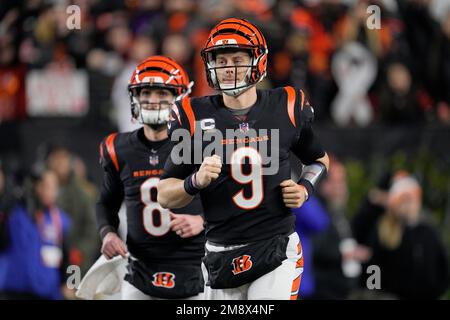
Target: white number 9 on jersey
{"points": [[254, 177], [152, 209]]}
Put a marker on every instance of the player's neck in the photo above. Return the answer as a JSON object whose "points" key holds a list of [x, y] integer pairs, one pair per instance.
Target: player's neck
{"points": [[242, 101], [155, 135]]}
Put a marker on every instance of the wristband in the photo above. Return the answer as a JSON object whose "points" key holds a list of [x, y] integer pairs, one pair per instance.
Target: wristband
{"points": [[189, 186], [194, 181]]}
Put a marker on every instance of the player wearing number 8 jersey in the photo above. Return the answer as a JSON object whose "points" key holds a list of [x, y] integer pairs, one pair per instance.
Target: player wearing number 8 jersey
{"points": [[165, 246], [246, 190]]}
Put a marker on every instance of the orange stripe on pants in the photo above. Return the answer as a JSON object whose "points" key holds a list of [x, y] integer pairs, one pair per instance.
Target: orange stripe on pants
{"points": [[297, 281]]}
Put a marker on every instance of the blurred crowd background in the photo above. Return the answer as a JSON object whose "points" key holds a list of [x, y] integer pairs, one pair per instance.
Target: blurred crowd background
{"points": [[382, 108]]}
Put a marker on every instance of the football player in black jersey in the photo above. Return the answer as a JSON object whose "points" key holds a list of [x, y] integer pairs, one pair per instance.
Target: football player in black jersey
{"points": [[165, 247], [239, 144]]}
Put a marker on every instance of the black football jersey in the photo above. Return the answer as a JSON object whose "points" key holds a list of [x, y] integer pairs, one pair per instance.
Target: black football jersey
{"points": [[245, 203], [137, 164]]}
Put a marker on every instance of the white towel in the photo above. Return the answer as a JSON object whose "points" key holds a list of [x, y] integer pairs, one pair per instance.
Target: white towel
{"points": [[104, 278]]}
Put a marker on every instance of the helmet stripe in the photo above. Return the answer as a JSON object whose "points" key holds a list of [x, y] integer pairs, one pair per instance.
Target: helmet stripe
{"points": [[249, 26]]}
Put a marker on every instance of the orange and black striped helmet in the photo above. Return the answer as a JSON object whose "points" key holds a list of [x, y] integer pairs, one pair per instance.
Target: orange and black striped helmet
{"points": [[158, 72], [236, 34]]}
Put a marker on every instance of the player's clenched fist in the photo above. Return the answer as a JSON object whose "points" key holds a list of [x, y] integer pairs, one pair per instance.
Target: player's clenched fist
{"points": [[208, 172], [112, 246], [293, 194]]}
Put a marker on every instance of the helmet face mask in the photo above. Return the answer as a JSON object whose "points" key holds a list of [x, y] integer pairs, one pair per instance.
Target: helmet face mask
{"points": [[150, 116], [234, 35], [155, 73], [244, 74]]}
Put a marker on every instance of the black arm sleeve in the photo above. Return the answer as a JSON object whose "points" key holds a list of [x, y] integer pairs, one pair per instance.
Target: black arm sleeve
{"points": [[109, 202], [308, 148]]}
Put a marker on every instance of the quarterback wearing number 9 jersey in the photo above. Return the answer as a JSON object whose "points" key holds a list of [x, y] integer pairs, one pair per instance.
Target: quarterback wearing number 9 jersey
{"points": [[239, 144], [165, 247]]}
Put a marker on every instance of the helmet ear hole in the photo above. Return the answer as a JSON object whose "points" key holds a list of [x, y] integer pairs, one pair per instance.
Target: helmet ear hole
{"points": [[255, 74], [135, 111], [175, 92]]}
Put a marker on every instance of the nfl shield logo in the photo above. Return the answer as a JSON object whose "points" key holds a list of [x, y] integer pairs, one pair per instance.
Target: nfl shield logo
{"points": [[154, 160], [244, 127]]}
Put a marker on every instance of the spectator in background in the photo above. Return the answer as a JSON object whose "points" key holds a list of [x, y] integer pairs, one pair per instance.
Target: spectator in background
{"points": [[400, 102], [178, 47], [421, 32], [12, 73], [83, 240], [353, 27], [336, 255], [307, 53], [34, 261], [80, 171], [408, 249], [304, 37], [371, 208], [443, 71], [111, 42]]}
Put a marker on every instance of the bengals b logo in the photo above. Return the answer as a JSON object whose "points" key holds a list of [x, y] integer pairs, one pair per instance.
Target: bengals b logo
{"points": [[242, 264], [164, 279]]}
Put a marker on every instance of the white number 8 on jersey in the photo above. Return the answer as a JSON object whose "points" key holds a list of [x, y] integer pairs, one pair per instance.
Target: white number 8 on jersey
{"points": [[152, 208]]}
